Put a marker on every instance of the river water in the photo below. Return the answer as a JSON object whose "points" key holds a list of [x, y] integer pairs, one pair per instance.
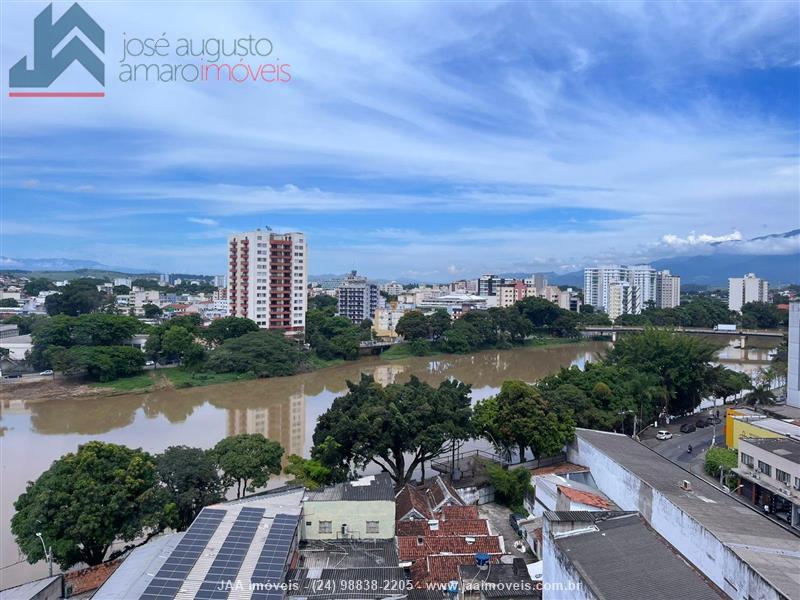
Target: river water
{"points": [[34, 434]]}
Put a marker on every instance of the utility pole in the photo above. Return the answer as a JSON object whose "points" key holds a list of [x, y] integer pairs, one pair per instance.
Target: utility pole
{"points": [[48, 553]]}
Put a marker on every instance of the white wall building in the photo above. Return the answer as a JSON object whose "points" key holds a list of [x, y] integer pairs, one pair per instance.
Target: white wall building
{"points": [[597, 283], [668, 290], [749, 288], [267, 278], [793, 374], [623, 299]]}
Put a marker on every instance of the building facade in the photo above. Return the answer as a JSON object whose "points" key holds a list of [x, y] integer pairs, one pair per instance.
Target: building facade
{"points": [[357, 298], [749, 288], [623, 299], [793, 372], [643, 279], [267, 279], [668, 290]]}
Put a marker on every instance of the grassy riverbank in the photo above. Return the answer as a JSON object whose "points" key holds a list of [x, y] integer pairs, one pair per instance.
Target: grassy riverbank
{"points": [[179, 377]]}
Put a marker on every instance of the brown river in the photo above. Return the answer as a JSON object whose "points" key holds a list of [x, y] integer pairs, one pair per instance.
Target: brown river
{"points": [[34, 434]]}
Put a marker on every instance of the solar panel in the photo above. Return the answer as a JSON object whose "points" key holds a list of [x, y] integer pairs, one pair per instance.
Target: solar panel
{"points": [[268, 573], [171, 575], [221, 576]]}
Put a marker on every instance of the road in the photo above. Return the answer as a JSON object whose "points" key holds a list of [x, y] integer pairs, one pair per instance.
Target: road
{"points": [[676, 449]]}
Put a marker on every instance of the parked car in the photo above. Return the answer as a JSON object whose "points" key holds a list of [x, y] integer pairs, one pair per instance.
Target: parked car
{"points": [[47, 372], [513, 520], [701, 423], [149, 363], [13, 376], [663, 434], [688, 428]]}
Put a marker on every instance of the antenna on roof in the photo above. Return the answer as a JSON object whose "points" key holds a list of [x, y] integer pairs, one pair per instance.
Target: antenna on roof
{"points": [[267, 227]]}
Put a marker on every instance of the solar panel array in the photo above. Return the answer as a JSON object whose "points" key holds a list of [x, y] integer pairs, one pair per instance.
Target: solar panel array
{"points": [[222, 574], [268, 573], [169, 579]]}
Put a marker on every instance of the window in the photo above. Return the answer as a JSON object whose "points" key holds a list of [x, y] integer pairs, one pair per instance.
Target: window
{"points": [[765, 468], [373, 527], [325, 527], [782, 476], [747, 459], [797, 483]]}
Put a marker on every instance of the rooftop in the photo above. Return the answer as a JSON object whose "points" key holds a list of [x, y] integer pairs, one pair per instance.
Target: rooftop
{"points": [[247, 540], [559, 469], [768, 548], [500, 580], [416, 547], [786, 428], [782, 447], [621, 558], [347, 554], [371, 487]]}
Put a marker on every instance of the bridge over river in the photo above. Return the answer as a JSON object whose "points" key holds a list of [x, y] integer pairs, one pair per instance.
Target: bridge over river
{"points": [[613, 330]]}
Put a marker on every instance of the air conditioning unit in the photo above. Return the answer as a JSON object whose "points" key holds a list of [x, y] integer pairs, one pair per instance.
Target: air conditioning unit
{"points": [[686, 485]]}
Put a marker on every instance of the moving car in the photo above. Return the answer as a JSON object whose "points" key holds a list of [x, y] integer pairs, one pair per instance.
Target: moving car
{"points": [[688, 428], [513, 520], [47, 372], [663, 434]]}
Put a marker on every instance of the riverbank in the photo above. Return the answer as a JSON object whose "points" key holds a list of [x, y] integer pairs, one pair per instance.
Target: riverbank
{"points": [[180, 378]]}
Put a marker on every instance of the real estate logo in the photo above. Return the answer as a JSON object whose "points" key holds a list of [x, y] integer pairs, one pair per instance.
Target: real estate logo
{"points": [[48, 65]]}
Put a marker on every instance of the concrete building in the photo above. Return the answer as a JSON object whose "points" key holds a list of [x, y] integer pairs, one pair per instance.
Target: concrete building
{"points": [[488, 285], [597, 283], [357, 298], [126, 281], [267, 279], [137, 300], [361, 509], [749, 288], [793, 372], [386, 318], [769, 473], [668, 290], [219, 281], [569, 300], [613, 555], [537, 281], [455, 304], [511, 292], [623, 299], [745, 423], [740, 550], [392, 288]]}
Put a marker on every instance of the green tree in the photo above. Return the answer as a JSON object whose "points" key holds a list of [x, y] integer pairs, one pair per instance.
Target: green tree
{"points": [[331, 336], [682, 364], [101, 329], [725, 459], [37, 285], [229, 327], [121, 290], [247, 461], [146, 283], [265, 353], [190, 477], [438, 323], [725, 383], [510, 486], [79, 296], [397, 427], [308, 472], [8, 303], [100, 363], [324, 303], [413, 325], [519, 417], [761, 395], [151, 311], [762, 315], [86, 501]]}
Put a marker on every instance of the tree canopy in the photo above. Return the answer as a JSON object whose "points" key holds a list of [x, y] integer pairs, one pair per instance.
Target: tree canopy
{"points": [[247, 461], [88, 499], [191, 481], [265, 353], [79, 296], [382, 425], [228, 327]]}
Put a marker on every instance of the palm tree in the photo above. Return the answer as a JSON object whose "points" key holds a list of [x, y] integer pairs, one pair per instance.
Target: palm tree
{"points": [[761, 394]]}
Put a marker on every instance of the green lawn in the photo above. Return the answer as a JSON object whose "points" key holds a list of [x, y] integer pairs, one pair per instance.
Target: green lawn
{"points": [[181, 378], [128, 384], [321, 363]]}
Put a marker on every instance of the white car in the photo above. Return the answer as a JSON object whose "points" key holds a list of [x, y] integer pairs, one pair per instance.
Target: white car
{"points": [[663, 434], [149, 363], [47, 372]]}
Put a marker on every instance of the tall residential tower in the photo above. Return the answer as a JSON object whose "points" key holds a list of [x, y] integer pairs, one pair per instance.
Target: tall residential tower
{"points": [[267, 278]]}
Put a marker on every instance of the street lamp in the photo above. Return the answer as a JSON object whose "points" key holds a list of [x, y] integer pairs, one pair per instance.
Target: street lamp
{"points": [[48, 553]]}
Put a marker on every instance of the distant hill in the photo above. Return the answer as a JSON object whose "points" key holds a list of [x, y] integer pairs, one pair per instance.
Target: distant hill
{"points": [[715, 269], [61, 264]]}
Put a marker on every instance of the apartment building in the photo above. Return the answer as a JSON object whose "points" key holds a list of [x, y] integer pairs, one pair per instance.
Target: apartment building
{"points": [[267, 278], [643, 279], [769, 473], [793, 374], [511, 292], [749, 288], [623, 299], [489, 285], [668, 290], [392, 288], [569, 300], [357, 298]]}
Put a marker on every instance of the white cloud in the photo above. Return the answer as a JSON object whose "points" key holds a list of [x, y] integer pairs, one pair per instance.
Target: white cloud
{"points": [[203, 221], [702, 239]]}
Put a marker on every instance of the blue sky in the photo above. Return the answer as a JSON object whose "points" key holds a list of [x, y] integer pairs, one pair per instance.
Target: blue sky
{"points": [[417, 140]]}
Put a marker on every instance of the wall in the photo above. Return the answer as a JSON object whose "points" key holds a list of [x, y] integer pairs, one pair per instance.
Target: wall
{"points": [[743, 428], [687, 535], [354, 514], [793, 376], [561, 581], [477, 495]]}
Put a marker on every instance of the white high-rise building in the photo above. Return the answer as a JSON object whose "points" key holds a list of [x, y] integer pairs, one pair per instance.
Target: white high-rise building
{"points": [[596, 283], [267, 278], [749, 288], [357, 298], [622, 299], [668, 290], [793, 370], [643, 279]]}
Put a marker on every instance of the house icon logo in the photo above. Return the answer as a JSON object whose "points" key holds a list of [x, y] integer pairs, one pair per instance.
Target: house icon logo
{"points": [[47, 67]]}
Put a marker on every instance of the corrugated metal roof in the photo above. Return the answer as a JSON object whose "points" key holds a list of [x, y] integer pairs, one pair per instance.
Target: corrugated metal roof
{"points": [[371, 487]]}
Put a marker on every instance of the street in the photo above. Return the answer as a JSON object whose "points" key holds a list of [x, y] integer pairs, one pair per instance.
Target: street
{"points": [[676, 448]]}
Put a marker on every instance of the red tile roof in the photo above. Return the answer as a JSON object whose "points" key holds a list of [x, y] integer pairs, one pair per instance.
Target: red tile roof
{"points": [[412, 547], [449, 527], [441, 568], [460, 512], [585, 497], [90, 578], [410, 498]]}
